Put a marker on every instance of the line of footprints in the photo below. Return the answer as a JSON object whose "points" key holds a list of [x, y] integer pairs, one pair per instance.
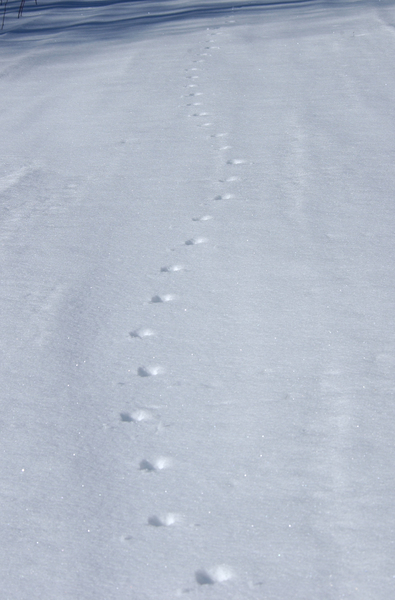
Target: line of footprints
{"points": [[217, 573]]}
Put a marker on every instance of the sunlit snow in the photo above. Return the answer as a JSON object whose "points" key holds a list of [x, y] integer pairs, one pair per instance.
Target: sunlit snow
{"points": [[197, 227]]}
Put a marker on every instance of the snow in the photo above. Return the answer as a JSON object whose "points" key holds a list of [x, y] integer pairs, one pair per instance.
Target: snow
{"points": [[197, 297]]}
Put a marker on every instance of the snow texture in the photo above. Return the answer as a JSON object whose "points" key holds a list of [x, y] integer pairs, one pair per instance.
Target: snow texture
{"points": [[197, 303]]}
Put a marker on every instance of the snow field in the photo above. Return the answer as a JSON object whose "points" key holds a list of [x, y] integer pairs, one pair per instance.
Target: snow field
{"points": [[222, 430]]}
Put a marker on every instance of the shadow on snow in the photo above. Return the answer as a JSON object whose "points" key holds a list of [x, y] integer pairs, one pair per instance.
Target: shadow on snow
{"points": [[113, 19]]}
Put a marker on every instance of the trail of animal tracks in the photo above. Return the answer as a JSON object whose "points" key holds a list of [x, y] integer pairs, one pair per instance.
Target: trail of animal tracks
{"points": [[197, 301]]}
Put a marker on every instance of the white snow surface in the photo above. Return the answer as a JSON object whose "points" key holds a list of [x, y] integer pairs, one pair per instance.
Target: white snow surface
{"points": [[197, 267]]}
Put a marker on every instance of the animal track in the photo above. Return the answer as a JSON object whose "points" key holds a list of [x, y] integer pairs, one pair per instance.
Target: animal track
{"points": [[150, 371], [196, 240], [141, 333], [172, 269], [126, 418], [163, 520], [163, 462], [217, 574], [236, 161], [202, 218], [145, 465], [162, 298], [224, 197], [137, 416]]}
